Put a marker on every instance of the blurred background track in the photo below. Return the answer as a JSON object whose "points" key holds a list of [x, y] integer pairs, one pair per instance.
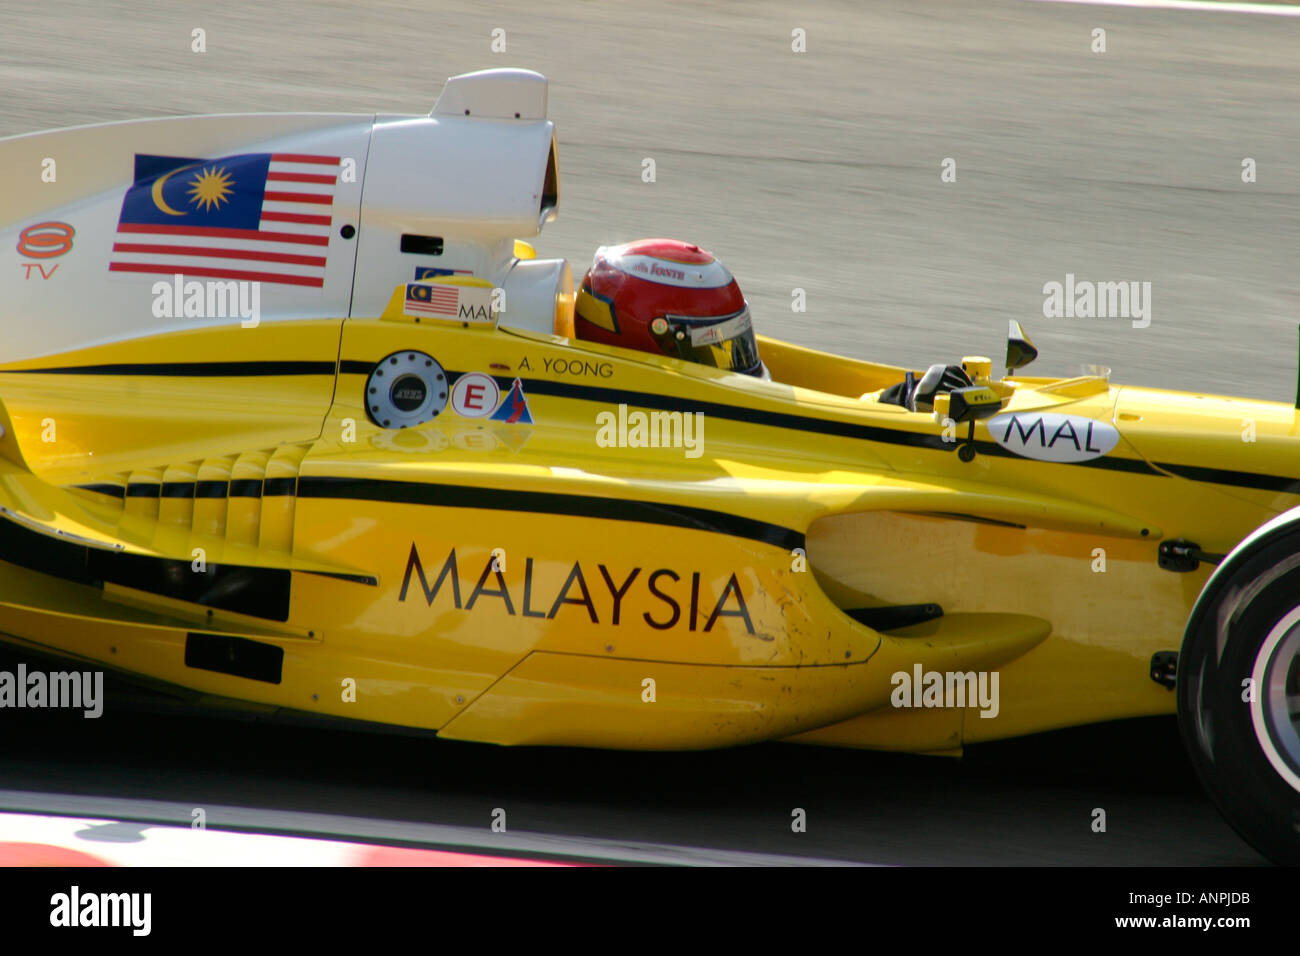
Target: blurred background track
{"points": [[817, 170]]}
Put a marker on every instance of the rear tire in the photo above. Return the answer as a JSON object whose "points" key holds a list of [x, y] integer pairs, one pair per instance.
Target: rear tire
{"points": [[1239, 692]]}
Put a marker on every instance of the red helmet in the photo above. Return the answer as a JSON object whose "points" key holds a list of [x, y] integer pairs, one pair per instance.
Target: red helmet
{"points": [[669, 298]]}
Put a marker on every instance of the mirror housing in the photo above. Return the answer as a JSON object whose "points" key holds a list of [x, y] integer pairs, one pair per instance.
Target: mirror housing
{"points": [[1020, 350], [968, 404]]}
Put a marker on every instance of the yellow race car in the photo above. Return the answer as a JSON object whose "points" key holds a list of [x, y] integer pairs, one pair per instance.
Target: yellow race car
{"points": [[271, 438]]}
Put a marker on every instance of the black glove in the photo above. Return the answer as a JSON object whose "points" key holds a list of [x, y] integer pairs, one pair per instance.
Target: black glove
{"points": [[938, 378]]}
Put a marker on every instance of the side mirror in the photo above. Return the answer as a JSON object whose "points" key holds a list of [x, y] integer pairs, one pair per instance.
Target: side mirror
{"points": [[1020, 350], [967, 404]]}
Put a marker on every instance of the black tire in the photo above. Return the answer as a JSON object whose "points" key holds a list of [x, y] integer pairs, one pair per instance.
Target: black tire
{"points": [[1245, 630]]}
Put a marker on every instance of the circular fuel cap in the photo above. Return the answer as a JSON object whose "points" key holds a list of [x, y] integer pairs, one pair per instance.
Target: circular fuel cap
{"points": [[405, 389]]}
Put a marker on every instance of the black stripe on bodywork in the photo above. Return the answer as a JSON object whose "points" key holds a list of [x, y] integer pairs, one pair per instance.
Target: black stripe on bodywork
{"points": [[1132, 466], [187, 369], [615, 396], [890, 436], [278, 487], [105, 488], [977, 519], [494, 499], [1241, 479], [545, 502], [240, 488], [367, 579], [257, 592], [754, 416]]}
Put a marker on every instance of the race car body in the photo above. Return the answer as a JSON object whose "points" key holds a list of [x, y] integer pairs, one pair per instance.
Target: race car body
{"points": [[292, 417]]}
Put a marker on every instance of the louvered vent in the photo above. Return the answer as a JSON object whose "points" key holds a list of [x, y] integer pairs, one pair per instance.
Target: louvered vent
{"points": [[247, 498]]}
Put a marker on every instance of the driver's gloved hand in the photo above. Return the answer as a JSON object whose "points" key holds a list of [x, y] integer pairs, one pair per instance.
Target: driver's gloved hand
{"points": [[937, 378], [897, 394]]}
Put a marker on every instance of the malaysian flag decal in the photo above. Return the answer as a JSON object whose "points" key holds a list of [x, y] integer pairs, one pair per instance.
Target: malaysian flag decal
{"points": [[258, 217], [439, 301], [471, 304]]}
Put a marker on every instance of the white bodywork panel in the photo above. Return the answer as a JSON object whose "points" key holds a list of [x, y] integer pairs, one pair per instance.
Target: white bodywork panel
{"points": [[82, 302], [494, 94], [532, 286], [476, 182]]}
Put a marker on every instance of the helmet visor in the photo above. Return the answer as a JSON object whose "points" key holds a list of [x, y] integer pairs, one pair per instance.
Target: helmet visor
{"points": [[725, 342]]}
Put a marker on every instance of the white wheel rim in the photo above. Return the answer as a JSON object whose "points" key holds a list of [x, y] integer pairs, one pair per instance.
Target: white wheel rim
{"points": [[1274, 711]]}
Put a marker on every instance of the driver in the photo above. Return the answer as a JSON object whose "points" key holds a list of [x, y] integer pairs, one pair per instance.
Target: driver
{"points": [[917, 394], [667, 297]]}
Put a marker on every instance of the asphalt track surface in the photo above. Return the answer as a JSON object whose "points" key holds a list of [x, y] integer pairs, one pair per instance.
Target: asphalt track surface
{"points": [[818, 171], [1024, 802]]}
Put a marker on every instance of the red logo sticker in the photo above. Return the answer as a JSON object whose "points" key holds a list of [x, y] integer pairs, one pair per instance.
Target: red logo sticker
{"points": [[45, 240], [475, 395]]}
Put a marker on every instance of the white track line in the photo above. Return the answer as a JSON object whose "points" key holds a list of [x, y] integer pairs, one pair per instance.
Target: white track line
{"points": [[335, 826], [1269, 9]]}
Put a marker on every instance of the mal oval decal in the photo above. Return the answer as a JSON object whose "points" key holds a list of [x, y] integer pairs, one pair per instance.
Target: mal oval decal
{"points": [[1049, 436]]}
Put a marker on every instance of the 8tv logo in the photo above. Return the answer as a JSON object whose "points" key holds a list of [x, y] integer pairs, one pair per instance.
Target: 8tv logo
{"points": [[44, 240]]}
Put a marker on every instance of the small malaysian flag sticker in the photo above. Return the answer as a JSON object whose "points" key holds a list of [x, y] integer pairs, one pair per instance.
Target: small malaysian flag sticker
{"points": [[433, 300], [457, 303]]}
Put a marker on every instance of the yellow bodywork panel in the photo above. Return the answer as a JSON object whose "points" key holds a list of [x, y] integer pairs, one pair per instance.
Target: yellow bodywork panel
{"points": [[129, 408], [216, 510], [588, 701]]}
